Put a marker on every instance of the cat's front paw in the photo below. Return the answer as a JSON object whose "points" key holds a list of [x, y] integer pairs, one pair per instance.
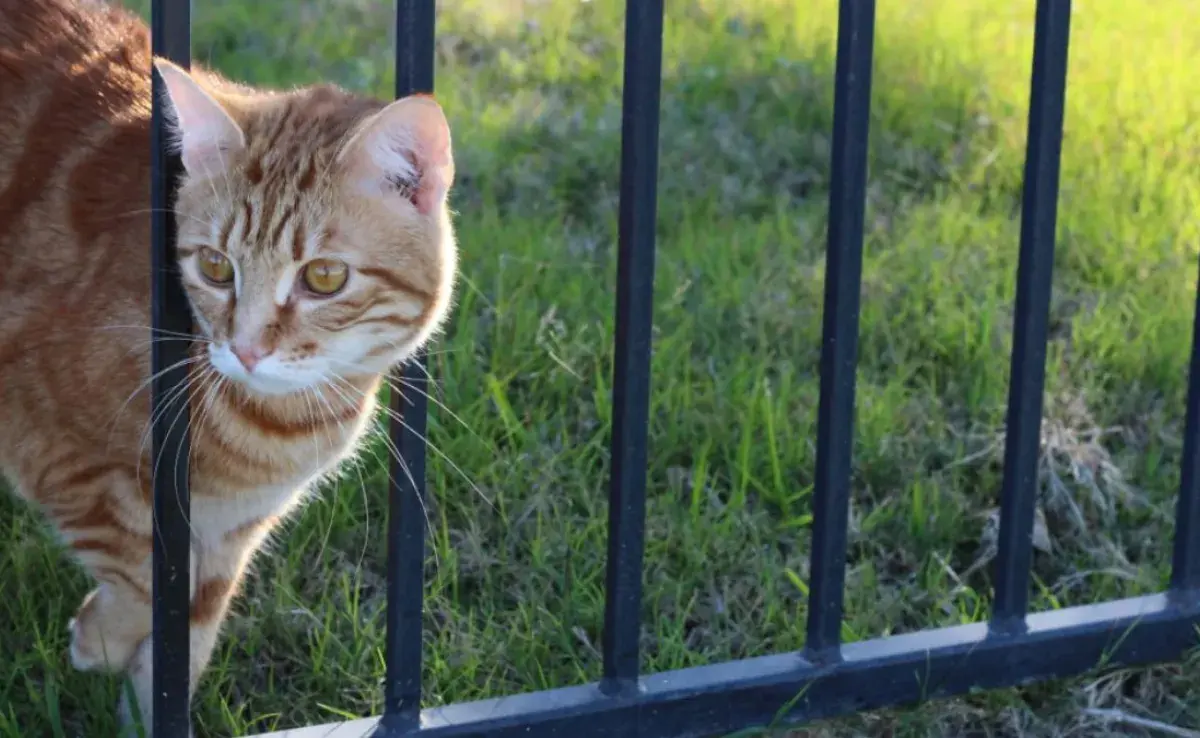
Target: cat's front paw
{"points": [[95, 647], [91, 652]]}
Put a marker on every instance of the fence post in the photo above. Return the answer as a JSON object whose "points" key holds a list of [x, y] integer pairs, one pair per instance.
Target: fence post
{"points": [[634, 325], [414, 52], [839, 346], [170, 38], [1039, 210], [1185, 563]]}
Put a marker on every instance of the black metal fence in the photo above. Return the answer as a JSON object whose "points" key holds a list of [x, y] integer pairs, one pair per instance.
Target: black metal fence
{"points": [[828, 678]]}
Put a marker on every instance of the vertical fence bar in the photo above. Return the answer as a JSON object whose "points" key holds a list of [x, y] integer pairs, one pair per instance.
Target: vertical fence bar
{"points": [[1039, 211], [634, 323], [839, 348], [406, 508], [1185, 565], [171, 38]]}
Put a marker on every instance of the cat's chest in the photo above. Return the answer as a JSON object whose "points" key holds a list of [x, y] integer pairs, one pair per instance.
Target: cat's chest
{"points": [[215, 520]]}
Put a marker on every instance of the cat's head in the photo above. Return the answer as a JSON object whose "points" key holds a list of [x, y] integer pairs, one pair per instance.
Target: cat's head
{"points": [[314, 237]]}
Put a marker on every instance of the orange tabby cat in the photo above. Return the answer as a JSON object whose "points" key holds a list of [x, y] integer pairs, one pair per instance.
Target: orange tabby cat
{"points": [[316, 249]]}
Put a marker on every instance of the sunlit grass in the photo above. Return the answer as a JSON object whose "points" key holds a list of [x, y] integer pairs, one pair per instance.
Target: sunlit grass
{"points": [[515, 595]]}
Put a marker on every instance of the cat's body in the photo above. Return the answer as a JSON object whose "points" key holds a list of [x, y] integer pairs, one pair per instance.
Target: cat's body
{"points": [[285, 195]]}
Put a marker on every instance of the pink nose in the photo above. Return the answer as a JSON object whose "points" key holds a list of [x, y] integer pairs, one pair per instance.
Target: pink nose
{"points": [[249, 355]]}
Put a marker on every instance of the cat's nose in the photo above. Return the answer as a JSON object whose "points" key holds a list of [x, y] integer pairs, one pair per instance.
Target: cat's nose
{"points": [[249, 355]]}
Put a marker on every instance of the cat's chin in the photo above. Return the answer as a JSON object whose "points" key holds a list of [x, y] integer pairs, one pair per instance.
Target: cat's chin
{"points": [[271, 378], [269, 387], [266, 385]]}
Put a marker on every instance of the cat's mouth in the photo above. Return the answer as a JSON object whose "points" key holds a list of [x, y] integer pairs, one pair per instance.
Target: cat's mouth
{"points": [[271, 376]]}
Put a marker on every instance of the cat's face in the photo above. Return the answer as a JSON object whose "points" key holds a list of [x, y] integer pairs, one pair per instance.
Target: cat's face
{"points": [[314, 238]]}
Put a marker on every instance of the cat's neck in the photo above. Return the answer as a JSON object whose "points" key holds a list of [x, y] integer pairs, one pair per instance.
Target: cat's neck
{"points": [[339, 402]]}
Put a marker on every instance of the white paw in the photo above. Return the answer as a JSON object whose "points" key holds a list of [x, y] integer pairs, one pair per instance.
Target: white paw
{"points": [[89, 656], [79, 659]]}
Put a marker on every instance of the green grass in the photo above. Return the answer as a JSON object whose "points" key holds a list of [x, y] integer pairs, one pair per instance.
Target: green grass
{"points": [[515, 594]]}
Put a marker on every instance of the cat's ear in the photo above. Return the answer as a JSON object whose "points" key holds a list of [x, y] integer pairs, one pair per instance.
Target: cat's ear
{"points": [[403, 149], [204, 133]]}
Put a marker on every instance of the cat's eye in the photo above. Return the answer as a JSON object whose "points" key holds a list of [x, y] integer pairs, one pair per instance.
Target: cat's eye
{"points": [[325, 276], [215, 266]]}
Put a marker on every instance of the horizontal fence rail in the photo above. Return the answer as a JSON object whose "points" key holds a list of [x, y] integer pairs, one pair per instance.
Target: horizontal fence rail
{"points": [[826, 679], [788, 689]]}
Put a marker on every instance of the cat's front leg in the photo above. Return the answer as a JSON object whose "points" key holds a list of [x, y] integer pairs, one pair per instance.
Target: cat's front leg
{"points": [[218, 569], [97, 510], [209, 605], [139, 674]]}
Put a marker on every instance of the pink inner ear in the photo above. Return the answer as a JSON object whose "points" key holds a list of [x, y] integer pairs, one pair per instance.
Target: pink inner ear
{"points": [[407, 147], [426, 197], [430, 153], [207, 134], [433, 168], [204, 158], [430, 186]]}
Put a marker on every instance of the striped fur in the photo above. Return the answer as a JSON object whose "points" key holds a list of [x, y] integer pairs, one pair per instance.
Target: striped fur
{"points": [[74, 303]]}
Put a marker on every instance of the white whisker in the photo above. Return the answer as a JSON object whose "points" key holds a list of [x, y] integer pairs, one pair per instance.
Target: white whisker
{"points": [[396, 416], [156, 413], [413, 387], [319, 398], [151, 329], [362, 483], [394, 453], [185, 405], [113, 425], [145, 211]]}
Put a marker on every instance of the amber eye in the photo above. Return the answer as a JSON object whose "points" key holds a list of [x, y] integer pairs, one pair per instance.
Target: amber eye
{"points": [[325, 276], [215, 266]]}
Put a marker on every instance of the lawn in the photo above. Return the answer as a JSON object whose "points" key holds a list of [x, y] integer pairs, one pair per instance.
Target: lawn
{"points": [[517, 515]]}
